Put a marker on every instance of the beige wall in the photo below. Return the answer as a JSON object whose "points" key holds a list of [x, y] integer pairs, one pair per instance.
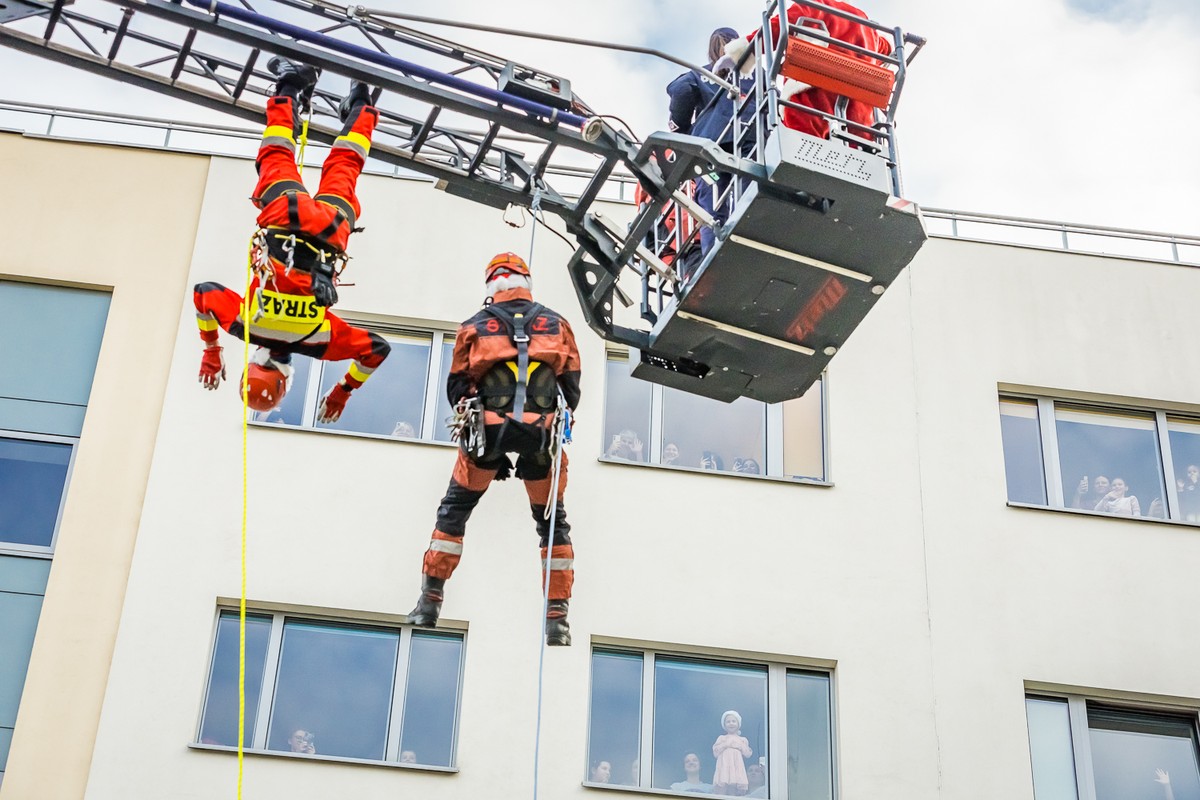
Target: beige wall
{"points": [[936, 602], [121, 220]]}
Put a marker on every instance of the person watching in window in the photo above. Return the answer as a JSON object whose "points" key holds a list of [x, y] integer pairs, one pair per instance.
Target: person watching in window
{"points": [[756, 776], [670, 454], [1163, 779], [731, 749], [408, 757], [601, 772], [746, 466], [711, 461], [626, 446], [1088, 495], [302, 741], [1118, 502], [691, 781]]}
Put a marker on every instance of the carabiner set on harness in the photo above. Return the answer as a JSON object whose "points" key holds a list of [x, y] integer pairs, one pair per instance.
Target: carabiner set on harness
{"points": [[466, 427]]}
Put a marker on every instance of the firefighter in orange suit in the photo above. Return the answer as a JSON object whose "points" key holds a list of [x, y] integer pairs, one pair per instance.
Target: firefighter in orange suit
{"points": [[512, 336], [301, 244], [839, 28]]}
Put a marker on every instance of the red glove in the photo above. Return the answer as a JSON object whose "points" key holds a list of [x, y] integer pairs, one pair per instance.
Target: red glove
{"points": [[212, 367], [334, 403]]}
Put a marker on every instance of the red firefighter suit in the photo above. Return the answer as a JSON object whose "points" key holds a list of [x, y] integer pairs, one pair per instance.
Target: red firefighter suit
{"points": [[821, 99], [485, 357], [285, 315]]}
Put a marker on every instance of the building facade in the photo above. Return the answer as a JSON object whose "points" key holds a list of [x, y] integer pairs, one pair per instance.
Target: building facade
{"points": [[902, 582]]}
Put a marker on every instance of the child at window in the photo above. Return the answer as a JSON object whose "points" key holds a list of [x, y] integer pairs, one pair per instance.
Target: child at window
{"points": [[730, 749]]}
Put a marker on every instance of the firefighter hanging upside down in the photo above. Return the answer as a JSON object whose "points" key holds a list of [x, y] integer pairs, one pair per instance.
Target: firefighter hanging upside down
{"points": [[515, 365], [298, 253]]}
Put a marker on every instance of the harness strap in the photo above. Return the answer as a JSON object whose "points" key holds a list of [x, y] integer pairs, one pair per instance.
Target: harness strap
{"points": [[518, 324], [340, 203], [279, 189]]}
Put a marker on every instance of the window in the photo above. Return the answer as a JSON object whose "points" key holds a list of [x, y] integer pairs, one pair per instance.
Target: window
{"points": [[1107, 460], [400, 400], [651, 424], [51, 340], [656, 720], [337, 689], [1082, 749]]}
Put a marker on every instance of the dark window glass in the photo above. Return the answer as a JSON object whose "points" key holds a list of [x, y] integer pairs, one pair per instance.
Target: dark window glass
{"points": [[1050, 749], [1184, 436], [431, 699], [394, 397], [291, 410], [335, 683], [709, 434], [1022, 440], [810, 747], [220, 725], [33, 476], [691, 699], [615, 730], [626, 415], [1139, 755], [1110, 461]]}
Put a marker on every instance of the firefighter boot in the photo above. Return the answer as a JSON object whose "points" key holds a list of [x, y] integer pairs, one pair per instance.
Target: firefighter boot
{"points": [[358, 96], [558, 630], [296, 81], [429, 604]]}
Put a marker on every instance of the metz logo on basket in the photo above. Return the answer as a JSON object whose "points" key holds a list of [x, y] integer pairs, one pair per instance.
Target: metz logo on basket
{"points": [[289, 307], [824, 300]]}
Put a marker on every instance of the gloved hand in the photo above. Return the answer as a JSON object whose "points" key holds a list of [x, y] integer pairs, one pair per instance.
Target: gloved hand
{"points": [[323, 289], [333, 404], [212, 367], [724, 65]]}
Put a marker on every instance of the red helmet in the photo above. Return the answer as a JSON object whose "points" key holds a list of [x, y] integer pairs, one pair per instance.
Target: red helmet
{"points": [[507, 262], [266, 387]]}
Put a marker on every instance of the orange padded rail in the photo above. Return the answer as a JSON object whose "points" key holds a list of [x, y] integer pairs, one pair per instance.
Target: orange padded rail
{"points": [[838, 72]]}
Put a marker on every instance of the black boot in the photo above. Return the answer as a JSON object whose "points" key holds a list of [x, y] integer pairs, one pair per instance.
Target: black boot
{"points": [[358, 96], [429, 604], [558, 630], [296, 81]]}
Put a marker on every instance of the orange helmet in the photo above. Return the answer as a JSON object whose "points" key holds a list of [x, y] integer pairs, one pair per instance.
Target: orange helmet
{"points": [[506, 262], [266, 386]]}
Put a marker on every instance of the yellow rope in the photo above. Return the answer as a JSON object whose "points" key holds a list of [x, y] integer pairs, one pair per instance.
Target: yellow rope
{"points": [[245, 496]]}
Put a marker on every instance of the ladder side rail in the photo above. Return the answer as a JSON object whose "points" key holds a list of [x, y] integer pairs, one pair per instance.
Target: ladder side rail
{"points": [[408, 68]]}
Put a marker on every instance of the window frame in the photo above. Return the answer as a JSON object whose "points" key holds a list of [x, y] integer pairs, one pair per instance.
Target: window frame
{"points": [[256, 739], [1081, 741], [1051, 459], [777, 741], [440, 336], [40, 551], [773, 435]]}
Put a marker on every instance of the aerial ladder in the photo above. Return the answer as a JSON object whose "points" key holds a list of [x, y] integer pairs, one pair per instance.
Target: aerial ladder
{"points": [[818, 231]]}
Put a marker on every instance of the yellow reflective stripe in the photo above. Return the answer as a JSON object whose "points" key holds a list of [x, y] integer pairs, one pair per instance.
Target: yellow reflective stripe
{"points": [[512, 365], [279, 131], [361, 142], [206, 324], [356, 373]]}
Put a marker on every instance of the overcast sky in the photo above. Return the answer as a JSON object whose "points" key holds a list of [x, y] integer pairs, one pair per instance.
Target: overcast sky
{"points": [[1077, 110]]}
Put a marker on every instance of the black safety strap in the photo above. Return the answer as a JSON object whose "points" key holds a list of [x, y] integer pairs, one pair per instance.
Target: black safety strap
{"points": [[340, 203], [517, 324], [278, 189]]}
